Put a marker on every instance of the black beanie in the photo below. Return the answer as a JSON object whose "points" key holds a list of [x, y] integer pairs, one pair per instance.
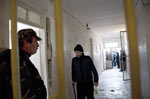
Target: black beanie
{"points": [[78, 48]]}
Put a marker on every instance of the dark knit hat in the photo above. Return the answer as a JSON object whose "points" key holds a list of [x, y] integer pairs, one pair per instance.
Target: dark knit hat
{"points": [[78, 48]]}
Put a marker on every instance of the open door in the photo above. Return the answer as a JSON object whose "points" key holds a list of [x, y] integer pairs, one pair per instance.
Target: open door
{"points": [[124, 55]]}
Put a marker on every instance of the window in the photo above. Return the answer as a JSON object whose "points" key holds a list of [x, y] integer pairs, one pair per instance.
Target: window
{"points": [[25, 15], [111, 45], [33, 17], [21, 13]]}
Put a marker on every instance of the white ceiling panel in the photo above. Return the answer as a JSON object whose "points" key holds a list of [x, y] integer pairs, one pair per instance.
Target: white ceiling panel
{"points": [[103, 16]]}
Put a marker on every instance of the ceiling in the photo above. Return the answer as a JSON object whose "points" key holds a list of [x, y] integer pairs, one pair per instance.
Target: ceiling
{"points": [[103, 16]]}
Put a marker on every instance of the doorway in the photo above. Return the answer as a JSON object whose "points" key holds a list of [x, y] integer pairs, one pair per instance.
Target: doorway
{"points": [[112, 54], [39, 59], [36, 57]]}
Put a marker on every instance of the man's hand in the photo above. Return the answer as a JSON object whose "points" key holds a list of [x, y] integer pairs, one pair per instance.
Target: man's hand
{"points": [[73, 83], [96, 84]]}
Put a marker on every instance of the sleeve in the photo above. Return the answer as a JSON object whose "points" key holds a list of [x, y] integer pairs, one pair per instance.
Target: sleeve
{"points": [[73, 72], [5, 74], [38, 84], [40, 89], [94, 71]]}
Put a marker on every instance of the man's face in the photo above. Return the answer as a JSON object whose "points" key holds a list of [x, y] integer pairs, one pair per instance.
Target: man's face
{"points": [[78, 53], [32, 47]]}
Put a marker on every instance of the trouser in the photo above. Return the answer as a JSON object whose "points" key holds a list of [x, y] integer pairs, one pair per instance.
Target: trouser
{"points": [[85, 90], [118, 63], [113, 63]]}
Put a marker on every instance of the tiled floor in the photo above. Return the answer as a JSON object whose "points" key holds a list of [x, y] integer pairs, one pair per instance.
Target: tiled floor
{"points": [[112, 86]]}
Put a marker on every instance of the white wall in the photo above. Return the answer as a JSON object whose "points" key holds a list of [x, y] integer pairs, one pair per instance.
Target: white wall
{"points": [[143, 24], [4, 24]]}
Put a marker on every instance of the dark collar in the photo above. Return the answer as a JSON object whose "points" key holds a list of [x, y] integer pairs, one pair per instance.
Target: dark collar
{"points": [[22, 52]]}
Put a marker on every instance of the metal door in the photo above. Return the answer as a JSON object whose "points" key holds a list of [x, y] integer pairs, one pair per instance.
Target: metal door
{"points": [[124, 55]]}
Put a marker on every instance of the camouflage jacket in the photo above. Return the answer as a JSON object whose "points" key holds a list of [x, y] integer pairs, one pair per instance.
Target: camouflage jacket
{"points": [[32, 86]]}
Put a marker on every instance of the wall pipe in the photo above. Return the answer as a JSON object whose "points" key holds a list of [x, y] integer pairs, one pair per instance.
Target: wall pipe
{"points": [[14, 52], [133, 48], [60, 50]]}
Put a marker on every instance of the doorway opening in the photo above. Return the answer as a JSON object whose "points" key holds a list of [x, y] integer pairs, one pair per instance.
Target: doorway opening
{"points": [[112, 52], [36, 58]]}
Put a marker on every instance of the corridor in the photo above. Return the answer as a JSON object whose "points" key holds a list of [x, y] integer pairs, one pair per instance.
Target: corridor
{"points": [[112, 86], [108, 30]]}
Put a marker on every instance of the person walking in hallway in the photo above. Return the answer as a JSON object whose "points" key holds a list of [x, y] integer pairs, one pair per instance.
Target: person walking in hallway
{"points": [[118, 60], [83, 70], [32, 86]]}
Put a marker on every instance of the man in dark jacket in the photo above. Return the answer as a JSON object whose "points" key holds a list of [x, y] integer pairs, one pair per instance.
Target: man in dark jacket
{"points": [[83, 71], [32, 86]]}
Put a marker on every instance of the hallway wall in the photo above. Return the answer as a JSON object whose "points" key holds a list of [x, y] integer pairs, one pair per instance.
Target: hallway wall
{"points": [[4, 16], [143, 24], [75, 32]]}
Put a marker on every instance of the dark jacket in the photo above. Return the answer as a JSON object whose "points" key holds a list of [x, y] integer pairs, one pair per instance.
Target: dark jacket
{"points": [[32, 85], [83, 70]]}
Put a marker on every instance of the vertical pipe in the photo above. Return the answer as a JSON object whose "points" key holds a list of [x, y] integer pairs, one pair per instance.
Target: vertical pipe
{"points": [[133, 47], [60, 49], [14, 52]]}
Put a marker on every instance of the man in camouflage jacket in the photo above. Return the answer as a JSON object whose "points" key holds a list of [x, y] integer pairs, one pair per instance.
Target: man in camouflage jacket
{"points": [[32, 86]]}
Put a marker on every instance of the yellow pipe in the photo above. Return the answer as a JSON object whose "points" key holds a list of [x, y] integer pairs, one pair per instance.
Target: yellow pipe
{"points": [[14, 52], [60, 49], [133, 47]]}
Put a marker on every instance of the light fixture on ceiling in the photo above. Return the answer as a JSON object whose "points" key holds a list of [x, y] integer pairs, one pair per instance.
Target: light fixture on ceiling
{"points": [[87, 27]]}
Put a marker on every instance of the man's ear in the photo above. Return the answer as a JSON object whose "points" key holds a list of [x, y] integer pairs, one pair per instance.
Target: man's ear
{"points": [[25, 43]]}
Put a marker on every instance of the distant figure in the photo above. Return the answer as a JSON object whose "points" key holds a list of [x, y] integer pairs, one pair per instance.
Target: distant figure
{"points": [[118, 60], [123, 60], [32, 86], [107, 56], [83, 70], [113, 60]]}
